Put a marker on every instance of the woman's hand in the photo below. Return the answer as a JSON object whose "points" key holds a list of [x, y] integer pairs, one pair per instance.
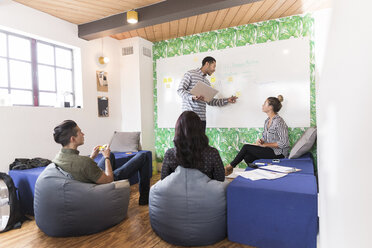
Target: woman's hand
{"points": [[259, 142], [228, 170]]}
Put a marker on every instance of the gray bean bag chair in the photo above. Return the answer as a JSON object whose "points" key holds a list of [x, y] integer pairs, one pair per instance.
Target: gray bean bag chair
{"points": [[187, 208], [66, 207]]}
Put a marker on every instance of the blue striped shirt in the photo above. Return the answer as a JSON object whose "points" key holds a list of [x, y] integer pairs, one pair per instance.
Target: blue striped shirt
{"points": [[189, 80], [277, 133]]}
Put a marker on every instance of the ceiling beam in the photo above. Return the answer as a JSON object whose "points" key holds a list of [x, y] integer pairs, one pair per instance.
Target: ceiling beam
{"points": [[162, 12]]}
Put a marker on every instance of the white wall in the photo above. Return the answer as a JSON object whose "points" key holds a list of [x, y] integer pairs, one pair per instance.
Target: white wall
{"points": [[344, 123], [27, 131], [137, 92], [322, 19]]}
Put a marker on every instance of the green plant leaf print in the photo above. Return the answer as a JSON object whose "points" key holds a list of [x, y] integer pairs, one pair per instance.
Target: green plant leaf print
{"points": [[208, 42]]}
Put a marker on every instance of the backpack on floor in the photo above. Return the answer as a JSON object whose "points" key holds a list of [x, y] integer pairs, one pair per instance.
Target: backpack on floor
{"points": [[10, 209]]}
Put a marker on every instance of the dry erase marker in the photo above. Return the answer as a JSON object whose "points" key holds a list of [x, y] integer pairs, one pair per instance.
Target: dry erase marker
{"points": [[259, 163]]}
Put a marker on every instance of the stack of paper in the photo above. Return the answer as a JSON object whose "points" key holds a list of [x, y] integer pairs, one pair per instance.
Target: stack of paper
{"points": [[260, 174], [279, 168], [234, 173]]}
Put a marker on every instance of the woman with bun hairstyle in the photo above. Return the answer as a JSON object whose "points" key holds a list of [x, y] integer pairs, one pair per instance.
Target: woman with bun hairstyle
{"points": [[274, 142]]}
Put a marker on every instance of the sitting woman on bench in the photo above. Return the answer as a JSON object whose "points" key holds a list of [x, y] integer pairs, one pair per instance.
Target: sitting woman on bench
{"points": [[274, 143], [192, 149]]}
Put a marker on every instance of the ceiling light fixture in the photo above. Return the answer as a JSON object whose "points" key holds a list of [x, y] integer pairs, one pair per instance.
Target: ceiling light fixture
{"points": [[132, 16], [103, 59]]}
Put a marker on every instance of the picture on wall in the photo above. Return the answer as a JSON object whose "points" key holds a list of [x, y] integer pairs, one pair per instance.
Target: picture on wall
{"points": [[103, 108], [102, 84]]}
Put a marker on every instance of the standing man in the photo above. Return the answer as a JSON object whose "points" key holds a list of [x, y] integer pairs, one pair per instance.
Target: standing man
{"points": [[197, 103], [84, 169]]}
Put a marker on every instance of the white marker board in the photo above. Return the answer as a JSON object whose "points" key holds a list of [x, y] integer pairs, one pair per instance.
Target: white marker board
{"points": [[252, 72]]}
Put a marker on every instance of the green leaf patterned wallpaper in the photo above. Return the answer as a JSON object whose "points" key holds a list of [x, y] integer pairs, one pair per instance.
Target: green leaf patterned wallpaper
{"points": [[229, 140]]}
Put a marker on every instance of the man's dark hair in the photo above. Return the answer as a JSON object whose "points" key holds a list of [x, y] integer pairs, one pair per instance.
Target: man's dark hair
{"points": [[190, 140], [64, 131], [208, 59]]}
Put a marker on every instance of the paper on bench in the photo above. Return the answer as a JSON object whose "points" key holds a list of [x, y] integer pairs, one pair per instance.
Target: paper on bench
{"points": [[279, 168], [260, 174], [233, 174]]}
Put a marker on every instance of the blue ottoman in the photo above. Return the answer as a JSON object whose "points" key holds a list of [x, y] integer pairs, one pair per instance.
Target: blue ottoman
{"points": [[25, 181], [280, 213]]}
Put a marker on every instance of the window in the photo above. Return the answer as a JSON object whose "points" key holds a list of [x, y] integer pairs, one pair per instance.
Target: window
{"points": [[34, 72]]}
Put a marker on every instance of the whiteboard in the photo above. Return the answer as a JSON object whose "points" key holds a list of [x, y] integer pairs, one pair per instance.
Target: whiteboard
{"points": [[253, 73]]}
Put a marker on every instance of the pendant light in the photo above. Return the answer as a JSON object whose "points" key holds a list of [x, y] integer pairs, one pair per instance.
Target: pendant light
{"points": [[103, 59], [132, 16]]}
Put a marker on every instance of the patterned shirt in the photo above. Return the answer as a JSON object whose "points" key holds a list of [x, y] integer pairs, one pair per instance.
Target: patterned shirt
{"points": [[189, 80], [81, 168], [277, 133], [213, 166]]}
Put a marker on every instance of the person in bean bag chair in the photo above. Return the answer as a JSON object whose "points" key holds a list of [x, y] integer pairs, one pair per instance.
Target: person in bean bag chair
{"points": [[67, 207], [188, 206]]}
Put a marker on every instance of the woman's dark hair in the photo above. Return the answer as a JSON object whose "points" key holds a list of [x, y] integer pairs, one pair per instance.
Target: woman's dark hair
{"points": [[64, 131], [190, 140], [208, 59], [275, 102]]}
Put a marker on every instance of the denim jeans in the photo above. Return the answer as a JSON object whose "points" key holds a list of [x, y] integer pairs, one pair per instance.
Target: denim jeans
{"points": [[138, 164]]}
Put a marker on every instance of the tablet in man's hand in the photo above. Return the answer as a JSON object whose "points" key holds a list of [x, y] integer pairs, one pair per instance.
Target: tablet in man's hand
{"points": [[202, 89]]}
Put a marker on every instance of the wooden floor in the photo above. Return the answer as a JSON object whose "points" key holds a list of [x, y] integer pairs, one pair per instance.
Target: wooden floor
{"points": [[134, 231]]}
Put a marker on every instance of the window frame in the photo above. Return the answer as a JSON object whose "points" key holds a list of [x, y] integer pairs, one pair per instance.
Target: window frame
{"points": [[34, 70]]}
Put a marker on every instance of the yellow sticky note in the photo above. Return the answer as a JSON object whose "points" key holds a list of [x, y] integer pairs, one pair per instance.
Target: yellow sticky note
{"points": [[230, 79], [164, 80], [238, 94], [213, 79], [169, 80], [167, 86]]}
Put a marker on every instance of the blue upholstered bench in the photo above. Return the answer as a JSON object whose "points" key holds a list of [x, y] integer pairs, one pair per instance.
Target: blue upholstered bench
{"points": [[280, 213], [25, 180]]}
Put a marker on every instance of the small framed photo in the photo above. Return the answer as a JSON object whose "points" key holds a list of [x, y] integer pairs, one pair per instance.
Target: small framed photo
{"points": [[103, 107], [102, 83]]}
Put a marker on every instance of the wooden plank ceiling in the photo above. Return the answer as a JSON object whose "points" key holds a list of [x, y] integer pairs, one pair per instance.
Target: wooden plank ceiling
{"points": [[83, 11]]}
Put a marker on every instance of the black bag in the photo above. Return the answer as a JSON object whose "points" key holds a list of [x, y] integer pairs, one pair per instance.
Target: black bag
{"points": [[26, 163], [9, 205]]}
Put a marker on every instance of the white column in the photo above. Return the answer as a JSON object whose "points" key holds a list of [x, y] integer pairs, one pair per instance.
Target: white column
{"points": [[344, 124], [137, 91]]}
